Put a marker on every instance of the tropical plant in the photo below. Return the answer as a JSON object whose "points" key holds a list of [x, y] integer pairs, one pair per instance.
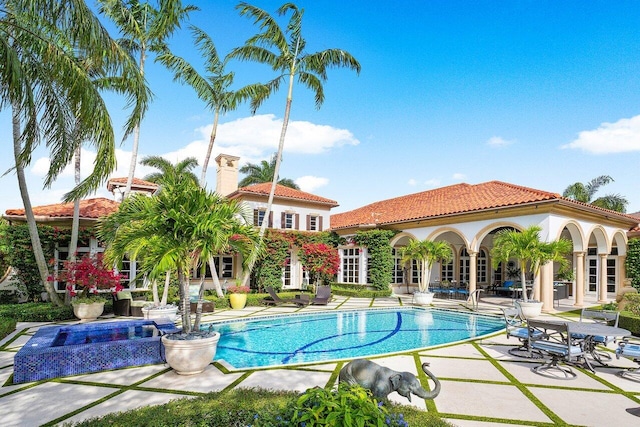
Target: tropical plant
{"points": [[584, 193], [213, 88], [529, 250], [144, 29], [290, 60], [426, 253], [320, 260], [263, 172], [49, 93], [177, 229], [87, 276], [234, 289]]}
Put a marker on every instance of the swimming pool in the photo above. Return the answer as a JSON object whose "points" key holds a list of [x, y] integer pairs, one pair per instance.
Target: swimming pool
{"points": [[305, 338]]}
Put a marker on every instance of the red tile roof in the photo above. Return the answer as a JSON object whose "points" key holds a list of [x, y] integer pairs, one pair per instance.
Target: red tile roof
{"points": [[282, 192], [89, 209], [454, 199], [137, 182]]}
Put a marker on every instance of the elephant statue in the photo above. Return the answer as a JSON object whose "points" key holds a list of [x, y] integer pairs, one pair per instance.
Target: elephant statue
{"points": [[382, 381]]}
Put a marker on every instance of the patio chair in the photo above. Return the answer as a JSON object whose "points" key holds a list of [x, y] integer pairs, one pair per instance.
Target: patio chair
{"points": [[554, 340], [506, 288], [630, 351], [516, 327], [273, 298], [323, 295], [125, 305], [608, 317]]}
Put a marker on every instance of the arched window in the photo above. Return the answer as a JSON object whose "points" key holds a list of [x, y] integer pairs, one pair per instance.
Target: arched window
{"points": [[482, 262], [464, 266]]}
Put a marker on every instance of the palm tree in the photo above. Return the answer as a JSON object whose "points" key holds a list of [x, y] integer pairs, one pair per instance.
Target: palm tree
{"points": [[290, 60], [584, 193], [263, 172], [145, 29], [213, 88], [48, 93], [177, 229], [169, 172], [426, 253], [529, 250]]}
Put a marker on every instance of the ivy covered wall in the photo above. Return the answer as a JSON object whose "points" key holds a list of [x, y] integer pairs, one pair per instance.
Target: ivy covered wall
{"points": [[632, 263]]}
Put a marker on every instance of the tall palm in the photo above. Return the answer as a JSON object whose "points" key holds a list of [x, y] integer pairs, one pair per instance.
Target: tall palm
{"points": [[263, 172], [212, 88], [426, 253], [48, 93], [176, 229], [290, 60], [529, 250], [144, 29], [585, 192]]}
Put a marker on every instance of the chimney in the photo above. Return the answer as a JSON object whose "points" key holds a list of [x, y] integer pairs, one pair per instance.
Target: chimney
{"points": [[227, 176]]}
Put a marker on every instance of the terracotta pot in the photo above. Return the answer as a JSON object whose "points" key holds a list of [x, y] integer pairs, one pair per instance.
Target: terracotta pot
{"points": [[238, 301], [190, 356], [88, 312]]}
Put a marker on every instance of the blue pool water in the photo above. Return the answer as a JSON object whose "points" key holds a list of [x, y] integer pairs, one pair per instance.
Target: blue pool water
{"points": [[295, 339]]}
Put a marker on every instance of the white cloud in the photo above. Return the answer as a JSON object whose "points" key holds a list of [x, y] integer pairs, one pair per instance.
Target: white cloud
{"points": [[412, 182], [619, 137], [311, 183], [459, 176], [498, 142], [432, 182]]}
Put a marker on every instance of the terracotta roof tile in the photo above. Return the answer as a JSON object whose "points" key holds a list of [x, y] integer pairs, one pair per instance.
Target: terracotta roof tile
{"points": [[137, 182], [89, 208], [283, 192], [454, 199]]}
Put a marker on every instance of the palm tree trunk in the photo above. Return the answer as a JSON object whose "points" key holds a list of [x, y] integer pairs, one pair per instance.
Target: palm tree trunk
{"points": [[28, 210], [75, 222], [523, 266], [214, 276], [165, 290], [207, 157], [184, 300], [276, 173], [136, 135]]}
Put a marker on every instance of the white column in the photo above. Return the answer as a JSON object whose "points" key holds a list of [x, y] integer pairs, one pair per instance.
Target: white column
{"points": [[602, 294], [546, 287], [579, 291], [473, 270]]}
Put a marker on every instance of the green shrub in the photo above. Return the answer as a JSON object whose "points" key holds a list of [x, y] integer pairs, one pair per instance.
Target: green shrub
{"points": [[37, 312], [358, 291], [7, 325], [630, 321], [632, 303], [348, 405]]}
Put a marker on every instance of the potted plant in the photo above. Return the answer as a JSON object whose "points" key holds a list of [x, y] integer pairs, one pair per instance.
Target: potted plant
{"points": [[84, 279], [426, 253], [531, 253], [178, 229], [238, 296]]}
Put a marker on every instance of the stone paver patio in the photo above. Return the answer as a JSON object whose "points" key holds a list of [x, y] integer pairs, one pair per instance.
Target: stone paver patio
{"points": [[482, 384]]}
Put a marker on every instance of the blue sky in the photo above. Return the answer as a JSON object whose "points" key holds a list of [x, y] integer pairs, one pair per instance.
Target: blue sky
{"points": [[536, 93]]}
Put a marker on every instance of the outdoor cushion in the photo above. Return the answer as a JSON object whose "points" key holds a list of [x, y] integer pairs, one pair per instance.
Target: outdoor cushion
{"points": [[124, 295]]}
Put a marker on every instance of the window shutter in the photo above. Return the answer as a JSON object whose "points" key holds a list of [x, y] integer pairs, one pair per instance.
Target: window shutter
{"points": [[282, 220], [319, 222], [270, 224], [297, 221], [308, 222]]}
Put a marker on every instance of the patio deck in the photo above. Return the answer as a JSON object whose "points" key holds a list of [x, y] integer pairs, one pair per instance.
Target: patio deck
{"points": [[482, 385]]}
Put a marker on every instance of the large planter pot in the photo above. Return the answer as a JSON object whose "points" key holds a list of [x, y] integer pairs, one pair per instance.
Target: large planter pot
{"points": [[191, 355], [423, 298], [88, 312], [238, 301], [529, 309], [168, 311]]}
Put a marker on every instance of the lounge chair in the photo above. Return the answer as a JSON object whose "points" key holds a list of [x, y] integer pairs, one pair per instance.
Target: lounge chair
{"points": [[273, 298], [301, 300], [630, 351], [323, 295]]}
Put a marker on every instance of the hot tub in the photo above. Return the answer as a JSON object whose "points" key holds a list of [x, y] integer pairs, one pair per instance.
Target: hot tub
{"points": [[57, 351]]}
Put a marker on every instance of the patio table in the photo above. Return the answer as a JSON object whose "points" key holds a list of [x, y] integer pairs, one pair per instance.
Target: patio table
{"points": [[588, 331]]}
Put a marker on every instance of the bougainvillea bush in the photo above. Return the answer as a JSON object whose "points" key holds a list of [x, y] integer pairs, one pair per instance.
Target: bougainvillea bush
{"points": [[321, 261], [87, 276]]}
